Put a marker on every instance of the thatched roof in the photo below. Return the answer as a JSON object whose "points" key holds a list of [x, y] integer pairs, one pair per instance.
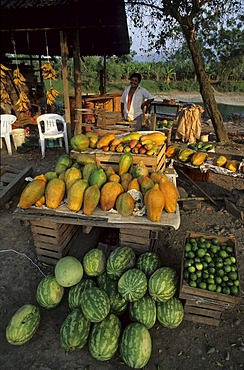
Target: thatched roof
{"points": [[102, 26]]}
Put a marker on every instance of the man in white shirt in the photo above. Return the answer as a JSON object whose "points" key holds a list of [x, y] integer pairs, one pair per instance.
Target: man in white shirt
{"points": [[133, 100]]}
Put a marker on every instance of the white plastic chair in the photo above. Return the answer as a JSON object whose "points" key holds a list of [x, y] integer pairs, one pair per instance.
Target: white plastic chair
{"points": [[6, 130], [50, 130]]}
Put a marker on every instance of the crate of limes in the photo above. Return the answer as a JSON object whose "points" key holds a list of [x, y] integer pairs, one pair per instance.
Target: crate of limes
{"points": [[209, 276]]}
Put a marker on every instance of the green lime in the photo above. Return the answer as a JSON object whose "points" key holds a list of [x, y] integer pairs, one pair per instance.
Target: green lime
{"points": [[193, 283], [236, 283], [218, 289], [193, 276], [202, 285], [227, 261], [199, 273], [215, 241], [226, 290], [234, 290], [186, 274], [199, 266], [233, 260], [205, 274], [210, 280], [193, 241], [205, 264], [219, 265], [218, 280], [197, 260], [229, 249], [234, 268], [201, 252], [191, 269], [225, 278], [190, 254], [207, 258], [223, 246], [194, 247], [214, 249], [220, 272], [207, 244], [227, 268], [232, 275], [223, 284], [187, 247], [211, 270], [187, 263], [202, 239], [212, 287], [223, 253], [230, 283]]}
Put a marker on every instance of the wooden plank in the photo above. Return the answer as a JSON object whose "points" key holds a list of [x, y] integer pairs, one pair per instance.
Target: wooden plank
{"points": [[14, 186], [134, 239], [205, 304], [203, 312], [201, 319], [140, 232]]}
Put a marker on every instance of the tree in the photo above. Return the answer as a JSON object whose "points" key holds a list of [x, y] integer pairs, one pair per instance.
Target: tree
{"points": [[167, 19]]}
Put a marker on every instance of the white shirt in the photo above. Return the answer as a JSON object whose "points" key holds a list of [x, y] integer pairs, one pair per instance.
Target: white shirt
{"points": [[139, 96]]}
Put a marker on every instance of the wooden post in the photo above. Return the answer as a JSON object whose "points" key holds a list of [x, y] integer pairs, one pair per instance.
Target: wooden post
{"points": [[65, 55], [77, 81]]}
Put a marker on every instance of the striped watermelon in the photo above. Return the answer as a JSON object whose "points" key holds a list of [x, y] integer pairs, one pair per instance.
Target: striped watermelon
{"points": [[95, 304], [148, 262], [104, 338], [143, 311], [94, 262], [136, 345], [49, 293], [162, 284], [120, 260], [103, 278], [171, 313], [74, 297], [23, 324], [132, 285], [74, 331], [118, 304]]}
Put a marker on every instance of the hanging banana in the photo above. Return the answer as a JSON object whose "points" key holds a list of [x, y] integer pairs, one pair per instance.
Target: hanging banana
{"points": [[23, 102], [48, 72], [51, 95], [5, 98], [19, 79], [3, 71]]}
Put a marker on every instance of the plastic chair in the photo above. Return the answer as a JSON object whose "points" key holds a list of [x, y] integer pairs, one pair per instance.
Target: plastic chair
{"points": [[6, 130], [50, 130]]}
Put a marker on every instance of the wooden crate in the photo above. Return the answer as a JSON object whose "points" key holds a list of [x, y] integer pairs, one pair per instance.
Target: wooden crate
{"points": [[140, 241], [201, 305]]}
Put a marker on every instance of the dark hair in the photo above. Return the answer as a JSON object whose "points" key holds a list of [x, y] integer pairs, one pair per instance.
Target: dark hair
{"points": [[136, 75]]}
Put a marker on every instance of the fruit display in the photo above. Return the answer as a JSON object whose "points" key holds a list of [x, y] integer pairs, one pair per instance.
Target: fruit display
{"points": [[210, 264], [49, 293]]}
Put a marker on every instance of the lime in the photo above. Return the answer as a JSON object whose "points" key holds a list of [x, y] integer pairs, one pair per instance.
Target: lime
{"points": [[212, 287], [229, 249], [219, 265], [186, 274], [227, 261], [202, 285], [214, 249], [211, 270], [193, 240], [187, 263], [225, 278], [226, 290], [190, 254], [223, 253], [202, 239], [199, 266], [205, 274], [197, 260], [194, 247], [220, 272], [236, 283], [223, 246], [205, 264], [234, 268], [201, 252], [218, 280], [227, 268], [230, 283], [232, 275], [210, 280], [233, 260], [199, 273], [207, 244], [193, 283], [193, 276], [218, 289], [207, 258], [234, 290], [187, 247], [191, 269], [215, 241], [223, 284]]}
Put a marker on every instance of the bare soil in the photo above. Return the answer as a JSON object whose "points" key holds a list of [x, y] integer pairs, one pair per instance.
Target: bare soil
{"points": [[190, 346]]}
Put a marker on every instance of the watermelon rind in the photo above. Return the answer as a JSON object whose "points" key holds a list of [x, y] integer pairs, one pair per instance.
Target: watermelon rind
{"points": [[148, 262], [162, 284], [118, 304], [104, 338], [49, 292], [95, 304], [120, 260], [74, 296], [143, 311], [170, 314], [74, 331], [136, 345], [23, 324], [94, 262], [132, 285]]}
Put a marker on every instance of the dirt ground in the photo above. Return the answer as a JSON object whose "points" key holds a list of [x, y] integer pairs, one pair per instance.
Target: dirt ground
{"points": [[189, 347]]}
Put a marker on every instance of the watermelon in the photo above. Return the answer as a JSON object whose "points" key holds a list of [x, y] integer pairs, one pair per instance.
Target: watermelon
{"points": [[74, 297], [132, 285], [162, 284], [94, 262], [120, 260], [49, 293], [136, 345], [68, 271], [23, 324], [171, 313], [143, 311], [104, 338], [95, 304], [74, 331], [148, 262], [118, 304], [103, 278]]}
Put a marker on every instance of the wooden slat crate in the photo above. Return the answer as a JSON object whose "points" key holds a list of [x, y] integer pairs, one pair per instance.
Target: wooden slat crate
{"points": [[140, 241], [52, 240], [204, 306]]}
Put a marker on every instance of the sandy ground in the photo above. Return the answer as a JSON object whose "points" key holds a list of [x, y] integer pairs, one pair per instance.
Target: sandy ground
{"points": [[222, 98]]}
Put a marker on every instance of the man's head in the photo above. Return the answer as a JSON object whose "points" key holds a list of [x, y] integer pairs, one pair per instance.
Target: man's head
{"points": [[135, 78]]}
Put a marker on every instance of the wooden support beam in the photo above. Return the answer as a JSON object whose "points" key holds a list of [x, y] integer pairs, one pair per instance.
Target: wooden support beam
{"points": [[77, 81], [64, 55]]}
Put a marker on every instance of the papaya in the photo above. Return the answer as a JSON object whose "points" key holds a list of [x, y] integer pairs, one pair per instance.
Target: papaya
{"points": [[32, 193], [154, 202], [64, 160], [70, 176], [91, 199], [232, 165], [134, 184], [140, 169], [93, 139], [158, 137], [125, 162], [79, 143], [172, 151], [156, 177], [87, 170], [171, 194], [99, 177], [109, 193], [51, 175], [84, 158], [60, 168], [126, 138], [146, 183], [198, 158], [105, 140], [125, 204], [75, 194], [220, 161], [54, 193], [114, 177], [125, 179], [185, 154], [41, 177], [109, 171], [40, 201]]}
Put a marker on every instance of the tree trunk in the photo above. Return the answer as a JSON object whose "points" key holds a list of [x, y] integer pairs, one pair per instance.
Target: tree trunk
{"points": [[206, 89]]}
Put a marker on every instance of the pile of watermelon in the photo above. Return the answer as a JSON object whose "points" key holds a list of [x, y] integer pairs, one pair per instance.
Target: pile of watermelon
{"points": [[102, 289]]}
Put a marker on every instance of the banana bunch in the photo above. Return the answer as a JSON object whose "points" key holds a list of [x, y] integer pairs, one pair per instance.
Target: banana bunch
{"points": [[23, 102], [49, 72], [3, 71], [19, 79], [51, 95], [5, 98]]}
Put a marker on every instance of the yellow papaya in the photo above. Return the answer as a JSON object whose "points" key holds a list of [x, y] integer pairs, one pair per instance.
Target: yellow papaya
{"points": [[134, 184], [114, 177], [125, 204], [91, 199], [171, 194], [70, 176], [125, 162], [105, 140], [109, 194], [93, 139], [185, 154], [125, 179], [75, 194], [32, 193], [220, 161], [198, 158], [40, 201], [232, 165], [54, 193], [154, 202], [158, 137], [146, 183]]}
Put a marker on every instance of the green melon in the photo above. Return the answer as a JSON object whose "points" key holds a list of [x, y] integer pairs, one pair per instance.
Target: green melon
{"points": [[94, 262], [68, 271], [120, 260], [95, 304], [23, 324], [170, 313], [132, 285], [104, 338], [148, 262], [162, 284], [136, 346], [118, 304], [74, 297], [74, 331], [49, 292], [143, 311]]}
